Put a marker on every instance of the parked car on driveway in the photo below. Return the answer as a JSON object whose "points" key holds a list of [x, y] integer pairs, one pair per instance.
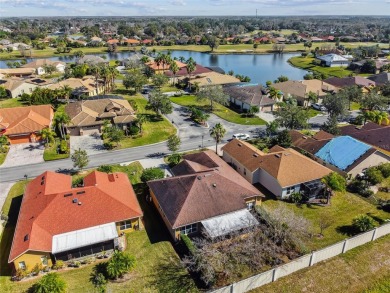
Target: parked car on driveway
{"points": [[242, 136], [318, 107]]}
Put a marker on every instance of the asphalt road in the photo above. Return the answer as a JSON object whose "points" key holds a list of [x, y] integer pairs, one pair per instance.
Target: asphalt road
{"points": [[190, 134]]}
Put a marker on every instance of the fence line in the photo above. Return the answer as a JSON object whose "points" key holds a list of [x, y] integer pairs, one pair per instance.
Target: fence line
{"points": [[305, 261]]}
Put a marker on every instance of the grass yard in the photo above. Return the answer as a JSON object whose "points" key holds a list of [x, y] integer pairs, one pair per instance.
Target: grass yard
{"points": [[343, 208], [219, 110], [11, 103], [306, 63], [2, 157], [157, 268], [381, 194], [363, 269], [313, 112], [51, 154]]}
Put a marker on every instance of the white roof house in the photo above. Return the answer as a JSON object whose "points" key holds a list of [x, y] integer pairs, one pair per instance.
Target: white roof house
{"points": [[333, 60]]}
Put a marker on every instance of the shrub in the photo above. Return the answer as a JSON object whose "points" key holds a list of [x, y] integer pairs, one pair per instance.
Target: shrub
{"points": [[296, 197], [108, 145], [152, 174], [63, 147], [366, 192], [363, 223], [188, 243], [78, 181], [105, 168], [49, 283], [385, 169], [20, 274], [134, 130], [37, 269], [174, 159], [120, 264], [374, 176], [335, 181], [75, 264], [58, 265]]}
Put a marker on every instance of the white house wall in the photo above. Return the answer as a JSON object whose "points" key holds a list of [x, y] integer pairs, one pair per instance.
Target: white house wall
{"points": [[270, 183], [24, 88]]}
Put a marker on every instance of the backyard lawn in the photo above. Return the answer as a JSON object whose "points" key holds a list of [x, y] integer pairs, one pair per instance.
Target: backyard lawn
{"points": [[343, 208], [381, 194], [363, 269], [11, 103], [219, 110], [157, 264]]}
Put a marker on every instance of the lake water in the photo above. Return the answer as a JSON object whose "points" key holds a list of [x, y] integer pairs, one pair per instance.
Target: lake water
{"points": [[259, 68]]}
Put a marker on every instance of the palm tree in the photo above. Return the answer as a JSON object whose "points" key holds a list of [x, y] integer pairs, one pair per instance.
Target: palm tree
{"points": [[141, 119], [65, 92], [217, 132], [104, 73], [182, 59], [174, 68], [95, 70], [159, 60], [47, 135], [191, 67], [61, 119], [274, 93]]}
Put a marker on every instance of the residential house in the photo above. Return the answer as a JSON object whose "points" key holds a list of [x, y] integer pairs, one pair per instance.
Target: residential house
{"points": [[40, 64], [316, 39], [18, 46], [17, 72], [88, 116], [199, 70], [91, 60], [343, 154], [245, 96], [24, 124], [211, 78], [159, 68], [58, 222], [16, 87], [333, 60], [380, 79], [371, 133], [340, 82], [281, 171], [132, 42], [85, 86], [301, 90], [205, 194]]}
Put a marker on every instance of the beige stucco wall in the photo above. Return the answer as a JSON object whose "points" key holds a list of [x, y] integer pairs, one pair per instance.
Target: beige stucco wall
{"points": [[31, 258], [374, 159], [135, 222], [24, 88]]}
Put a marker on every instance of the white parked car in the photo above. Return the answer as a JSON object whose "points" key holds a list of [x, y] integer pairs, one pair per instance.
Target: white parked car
{"points": [[242, 136], [318, 107]]}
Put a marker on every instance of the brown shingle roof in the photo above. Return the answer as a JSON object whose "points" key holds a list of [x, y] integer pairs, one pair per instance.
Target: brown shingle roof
{"points": [[287, 166], [207, 187], [349, 81], [249, 94], [42, 62], [307, 143]]}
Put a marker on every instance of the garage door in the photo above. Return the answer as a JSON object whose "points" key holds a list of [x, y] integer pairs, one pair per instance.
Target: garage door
{"points": [[19, 139], [90, 130], [74, 131]]}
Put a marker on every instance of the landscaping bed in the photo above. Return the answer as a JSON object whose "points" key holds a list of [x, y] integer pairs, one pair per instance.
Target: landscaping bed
{"points": [[51, 152], [219, 110]]}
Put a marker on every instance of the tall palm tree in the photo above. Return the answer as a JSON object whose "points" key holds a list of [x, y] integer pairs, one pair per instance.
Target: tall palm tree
{"points": [[141, 119], [66, 92], [113, 74], [174, 68], [61, 119], [159, 60], [104, 74], [182, 59], [95, 70], [47, 135], [190, 67], [217, 132]]}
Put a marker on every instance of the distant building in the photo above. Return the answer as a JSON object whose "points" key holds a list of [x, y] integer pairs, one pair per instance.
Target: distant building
{"points": [[334, 60], [40, 64]]}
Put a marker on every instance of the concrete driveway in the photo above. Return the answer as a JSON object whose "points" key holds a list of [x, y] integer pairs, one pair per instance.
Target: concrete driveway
{"points": [[93, 144], [24, 154]]}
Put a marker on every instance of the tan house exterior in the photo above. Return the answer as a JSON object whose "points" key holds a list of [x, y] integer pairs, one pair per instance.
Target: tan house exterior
{"points": [[16, 87], [40, 64], [81, 86], [204, 191]]}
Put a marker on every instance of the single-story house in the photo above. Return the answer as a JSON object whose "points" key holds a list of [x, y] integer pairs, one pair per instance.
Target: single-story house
{"points": [[205, 194], [281, 171], [246, 95], [199, 70], [340, 82], [332, 60], [371, 133], [301, 89], [58, 222], [343, 154], [91, 60], [40, 64], [16, 87], [88, 116], [132, 42], [163, 68], [24, 124], [211, 78], [81, 86]]}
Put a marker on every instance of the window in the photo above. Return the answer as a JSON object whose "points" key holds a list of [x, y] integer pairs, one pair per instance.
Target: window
{"points": [[44, 260], [250, 205], [290, 189], [189, 229], [125, 225], [22, 265], [244, 171]]}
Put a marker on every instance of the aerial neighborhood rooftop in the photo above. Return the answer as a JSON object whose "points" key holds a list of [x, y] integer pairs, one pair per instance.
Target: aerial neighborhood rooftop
{"points": [[194, 154]]}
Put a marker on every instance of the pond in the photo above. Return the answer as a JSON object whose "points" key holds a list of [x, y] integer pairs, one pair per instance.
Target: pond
{"points": [[259, 68]]}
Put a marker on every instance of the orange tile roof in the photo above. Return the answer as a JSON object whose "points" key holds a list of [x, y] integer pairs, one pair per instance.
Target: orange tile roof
{"points": [[132, 41], [26, 119], [287, 166], [46, 211], [153, 65]]}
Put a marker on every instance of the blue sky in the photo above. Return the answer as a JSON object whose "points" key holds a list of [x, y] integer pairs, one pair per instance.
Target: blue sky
{"points": [[191, 7]]}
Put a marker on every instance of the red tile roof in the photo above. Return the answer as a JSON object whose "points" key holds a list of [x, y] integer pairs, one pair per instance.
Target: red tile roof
{"points": [[47, 211], [199, 69]]}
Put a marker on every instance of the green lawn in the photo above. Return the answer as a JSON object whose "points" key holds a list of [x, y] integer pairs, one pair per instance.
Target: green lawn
{"points": [[381, 194], [313, 112], [343, 208], [306, 63], [2, 157], [157, 268], [355, 106], [219, 110], [363, 269], [11, 103], [51, 154]]}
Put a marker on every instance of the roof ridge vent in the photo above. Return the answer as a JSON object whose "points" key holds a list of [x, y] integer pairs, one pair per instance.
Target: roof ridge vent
{"points": [[256, 155], [277, 155], [199, 177], [214, 185]]}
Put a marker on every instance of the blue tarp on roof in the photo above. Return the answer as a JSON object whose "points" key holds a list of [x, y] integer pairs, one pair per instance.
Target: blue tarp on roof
{"points": [[342, 151]]}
